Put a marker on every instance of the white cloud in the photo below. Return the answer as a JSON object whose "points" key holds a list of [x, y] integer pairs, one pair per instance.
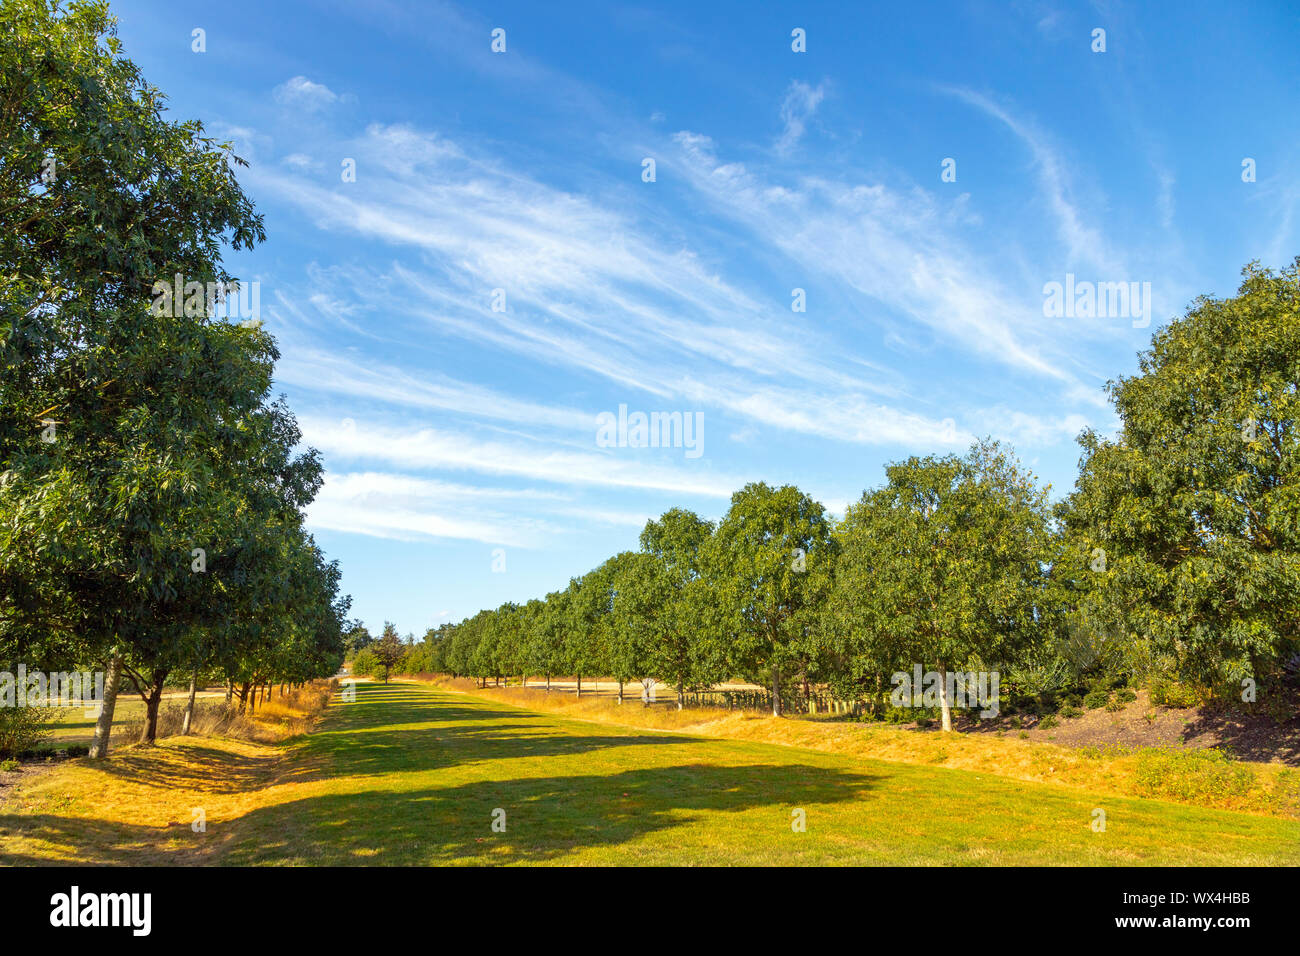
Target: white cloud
{"points": [[586, 289], [797, 108], [300, 161], [893, 247], [408, 507], [301, 93], [1084, 242], [427, 448]]}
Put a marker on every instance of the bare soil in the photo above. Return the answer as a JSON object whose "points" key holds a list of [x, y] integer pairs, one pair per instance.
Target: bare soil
{"points": [[1143, 724]]}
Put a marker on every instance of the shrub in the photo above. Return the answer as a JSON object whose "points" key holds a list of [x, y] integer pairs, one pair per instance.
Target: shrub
{"points": [[1126, 695], [8, 764], [366, 663], [1048, 722], [1069, 711], [1096, 697], [1206, 776], [21, 728], [1173, 694]]}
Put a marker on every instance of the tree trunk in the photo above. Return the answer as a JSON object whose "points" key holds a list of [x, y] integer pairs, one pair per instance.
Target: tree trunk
{"points": [[548, 683], [243, 697], [620, 692], [776, 690], [579, 685], [150, 732], [230, 690], [189, 705], [681, 696], [945, 705], [104, 722]]}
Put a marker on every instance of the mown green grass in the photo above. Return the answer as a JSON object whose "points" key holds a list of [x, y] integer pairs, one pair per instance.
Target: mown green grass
{"points": [[412, 775], [72, 725]]}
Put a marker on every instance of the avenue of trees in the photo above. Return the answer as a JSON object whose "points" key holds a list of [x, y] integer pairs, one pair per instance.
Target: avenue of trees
{"points": [[1174, 563], [151, 497]]}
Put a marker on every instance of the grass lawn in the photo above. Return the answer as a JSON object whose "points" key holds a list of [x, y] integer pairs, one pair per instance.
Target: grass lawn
{"points": [[410, 774]]}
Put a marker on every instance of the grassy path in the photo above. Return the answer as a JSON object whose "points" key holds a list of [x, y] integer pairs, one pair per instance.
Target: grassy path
{"points": [[412, 775]]}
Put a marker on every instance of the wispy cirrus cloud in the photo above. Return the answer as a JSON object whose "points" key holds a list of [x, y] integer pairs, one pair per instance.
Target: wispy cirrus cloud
{"points": [[410, 507], [585, 288], [301, 93], [428, 448], [797, 108]]}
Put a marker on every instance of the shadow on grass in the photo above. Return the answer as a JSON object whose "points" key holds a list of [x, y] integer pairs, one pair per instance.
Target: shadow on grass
{"points": [[546, 817], [400, 730], [101, 842], [205, 769], [405, 733]]}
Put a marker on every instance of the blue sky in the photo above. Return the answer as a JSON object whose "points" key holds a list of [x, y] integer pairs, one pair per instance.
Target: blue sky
{"points": [[458, 437]]}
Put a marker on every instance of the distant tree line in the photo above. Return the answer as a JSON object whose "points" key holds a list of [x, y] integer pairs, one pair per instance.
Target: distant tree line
{"points": [[1174, 563]]}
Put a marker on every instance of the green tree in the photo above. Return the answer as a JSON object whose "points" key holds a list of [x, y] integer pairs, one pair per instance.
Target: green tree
{"points": [[388, 650], [586, 639], [152, 417], [947, 566], [767, 570], [545, 648], [1190, 518], [355, 637], [669, 596]]}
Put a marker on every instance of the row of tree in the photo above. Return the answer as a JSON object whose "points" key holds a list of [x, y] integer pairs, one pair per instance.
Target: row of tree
{"points": [[151, 498], [1176, 556]]}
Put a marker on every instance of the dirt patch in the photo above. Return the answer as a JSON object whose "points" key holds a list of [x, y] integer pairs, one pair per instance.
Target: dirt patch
{"points": [[12, 781], [1143, 724]]}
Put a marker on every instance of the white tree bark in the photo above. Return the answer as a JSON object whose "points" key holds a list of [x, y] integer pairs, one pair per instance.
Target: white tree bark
{"points": [[189, 705], [945, 705], [104, 722], [776, 690]]}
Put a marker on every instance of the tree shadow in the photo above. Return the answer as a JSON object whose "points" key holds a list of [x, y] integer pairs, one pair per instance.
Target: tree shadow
{"points": [[216, 770], [400, 732], [546, 818], [412, 820], [1248, 736], [85, 842]]}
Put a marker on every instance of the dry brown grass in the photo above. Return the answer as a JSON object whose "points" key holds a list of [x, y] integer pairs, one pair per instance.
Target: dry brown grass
{"points": [[137, 807], [275, 720], [1273, 790]]}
